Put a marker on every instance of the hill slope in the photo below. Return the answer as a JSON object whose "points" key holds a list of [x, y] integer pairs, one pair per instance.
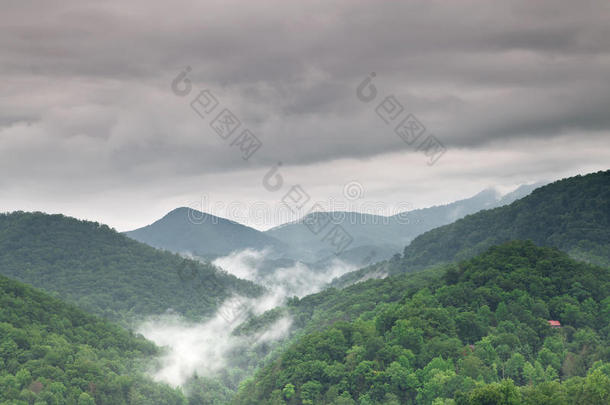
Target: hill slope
{"points": [[185, 230], [53, 353], [460, 337], [572, 214], [108, 273]]}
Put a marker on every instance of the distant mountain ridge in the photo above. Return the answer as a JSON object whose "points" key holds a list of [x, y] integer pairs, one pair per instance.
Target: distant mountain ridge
{"points": [[375, 237], [186, 230], [391, 233]]}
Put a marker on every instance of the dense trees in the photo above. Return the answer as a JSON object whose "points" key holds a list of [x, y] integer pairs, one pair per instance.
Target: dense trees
{"points": [[107, 273], [572, 214], [477, 335], [53, 353]]}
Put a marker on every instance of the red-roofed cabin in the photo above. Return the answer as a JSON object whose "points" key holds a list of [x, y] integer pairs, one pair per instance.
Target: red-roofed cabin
{"points": [[554, 324]]}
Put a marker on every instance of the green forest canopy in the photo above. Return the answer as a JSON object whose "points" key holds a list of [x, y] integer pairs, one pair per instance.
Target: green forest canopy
{"points": [[572, 215], [478, 333], [53, 353], [107, 273]]}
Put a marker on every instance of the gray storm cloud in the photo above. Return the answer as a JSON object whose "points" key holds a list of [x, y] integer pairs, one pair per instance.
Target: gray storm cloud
{"points": [[86, 106]]}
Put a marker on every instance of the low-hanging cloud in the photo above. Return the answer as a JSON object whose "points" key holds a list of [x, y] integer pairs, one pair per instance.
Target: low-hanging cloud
{"points": [[206, 348], [201, 348], [298, 279]]}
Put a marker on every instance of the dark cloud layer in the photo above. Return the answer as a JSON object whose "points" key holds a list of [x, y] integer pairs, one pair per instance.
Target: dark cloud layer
{"points": [[86, 105]]}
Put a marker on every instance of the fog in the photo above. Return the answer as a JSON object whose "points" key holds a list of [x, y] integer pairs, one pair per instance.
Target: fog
{"points": [[205, 348], [299, 279], [202, 348]]}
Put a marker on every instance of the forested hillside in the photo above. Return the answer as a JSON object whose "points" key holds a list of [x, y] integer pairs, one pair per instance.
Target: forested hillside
{"points": [[53, 353], [106, 272], [572, 214], [480, 334], [317, 311]]}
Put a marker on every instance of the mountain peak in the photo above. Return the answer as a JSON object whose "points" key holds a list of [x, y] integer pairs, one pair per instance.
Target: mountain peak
{"points": [[185, 229]]}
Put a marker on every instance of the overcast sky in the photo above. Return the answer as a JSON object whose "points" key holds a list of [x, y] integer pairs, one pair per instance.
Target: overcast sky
{"points": [[516, 91]]}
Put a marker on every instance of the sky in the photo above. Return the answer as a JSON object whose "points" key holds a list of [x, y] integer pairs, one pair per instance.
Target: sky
{"points": [[97, 122]]}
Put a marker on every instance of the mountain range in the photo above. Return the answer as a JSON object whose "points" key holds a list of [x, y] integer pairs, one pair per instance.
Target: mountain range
{"points": [[375, 237]]}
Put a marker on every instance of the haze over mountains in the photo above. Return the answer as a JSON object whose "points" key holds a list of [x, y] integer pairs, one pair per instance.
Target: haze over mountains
{"points": [[187, 231]]}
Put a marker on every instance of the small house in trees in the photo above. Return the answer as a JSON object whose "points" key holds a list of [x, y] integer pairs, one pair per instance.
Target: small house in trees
{"points": [[554, 324]]}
